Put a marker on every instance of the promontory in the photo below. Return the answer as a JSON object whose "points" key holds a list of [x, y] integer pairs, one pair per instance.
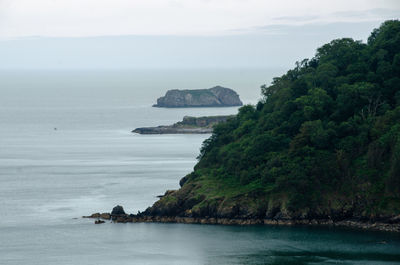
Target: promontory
{"points": [[321, 147], [217, 96], [189, 125]]}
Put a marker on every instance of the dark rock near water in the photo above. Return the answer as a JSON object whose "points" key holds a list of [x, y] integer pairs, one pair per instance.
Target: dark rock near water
{"points": [[171, 130], [181, 207], [94, 215], [189, 125], [188, 206], [214, 97], [118, 210]]}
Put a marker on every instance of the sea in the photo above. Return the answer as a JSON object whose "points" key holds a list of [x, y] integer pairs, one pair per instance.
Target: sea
{"points": [[66, 150]]}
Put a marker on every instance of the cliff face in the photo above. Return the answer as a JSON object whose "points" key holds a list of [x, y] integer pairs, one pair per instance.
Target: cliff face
{"points": [[214, 97]]}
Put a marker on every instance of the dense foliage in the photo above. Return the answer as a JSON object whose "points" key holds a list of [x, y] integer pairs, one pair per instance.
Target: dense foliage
{"points": [[326, 131]]}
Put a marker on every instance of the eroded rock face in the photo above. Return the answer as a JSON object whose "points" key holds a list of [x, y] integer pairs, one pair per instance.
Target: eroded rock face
{"points": [[214, 97], [118, 210]]}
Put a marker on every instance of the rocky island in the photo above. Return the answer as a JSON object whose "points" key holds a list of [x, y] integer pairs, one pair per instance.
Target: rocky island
{"points": [[213, 97], [321, 148], [189, 125]]}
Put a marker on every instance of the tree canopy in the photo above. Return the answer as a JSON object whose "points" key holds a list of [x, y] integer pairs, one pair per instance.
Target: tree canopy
{"points": [[326, 130]]}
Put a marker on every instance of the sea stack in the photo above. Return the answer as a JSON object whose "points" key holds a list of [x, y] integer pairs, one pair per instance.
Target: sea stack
{"points": [[217, 96]]}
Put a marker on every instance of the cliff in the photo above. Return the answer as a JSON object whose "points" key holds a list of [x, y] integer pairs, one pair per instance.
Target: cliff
{"points": [[214, 97], [189, 125]]}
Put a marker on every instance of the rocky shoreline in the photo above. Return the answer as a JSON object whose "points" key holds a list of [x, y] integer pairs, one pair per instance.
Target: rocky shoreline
{"points": [[189, 125], [171, 130], [352, 223]]}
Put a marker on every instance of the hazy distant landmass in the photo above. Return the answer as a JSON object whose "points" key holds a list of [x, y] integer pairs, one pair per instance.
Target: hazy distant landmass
{"points": [[189, 125], [217, 96]]}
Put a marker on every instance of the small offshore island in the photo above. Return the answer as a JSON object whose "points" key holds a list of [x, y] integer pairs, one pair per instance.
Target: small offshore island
{"points": [[189, 125], [322, 147], [217, 96]]}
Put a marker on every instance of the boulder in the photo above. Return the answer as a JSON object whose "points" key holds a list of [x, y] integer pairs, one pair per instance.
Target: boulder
{"points": [[118, 210]]}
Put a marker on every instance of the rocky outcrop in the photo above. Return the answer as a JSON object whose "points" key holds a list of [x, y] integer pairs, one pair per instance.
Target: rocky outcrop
{"points": [[106, 216], [172, 130], [118, 210], [214, 97], [197, 202], [189, 125], [390, 225]]}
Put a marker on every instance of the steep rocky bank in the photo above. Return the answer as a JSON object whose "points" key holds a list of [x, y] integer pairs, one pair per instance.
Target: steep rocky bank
{"points": [[214, 97], [189, 125], [188, 205], [350, 223]]}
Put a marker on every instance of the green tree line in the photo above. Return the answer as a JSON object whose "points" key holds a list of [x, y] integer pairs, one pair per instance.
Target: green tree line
{"points": [[327, 130]]}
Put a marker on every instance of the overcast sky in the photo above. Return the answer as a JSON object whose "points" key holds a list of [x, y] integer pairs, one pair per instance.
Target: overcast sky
{"points": [[71, 18], [178, 33]]}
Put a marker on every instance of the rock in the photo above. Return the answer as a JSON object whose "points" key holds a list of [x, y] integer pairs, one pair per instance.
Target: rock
{"points": [[214, 97], [118, 210], [99, 222], [395, 219], [171, 130], [189, 125], [94, 215], [106, 216]]}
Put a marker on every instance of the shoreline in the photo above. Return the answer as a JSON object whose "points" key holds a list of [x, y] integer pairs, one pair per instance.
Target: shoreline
{"points": [[188, 125], [368, 225]]}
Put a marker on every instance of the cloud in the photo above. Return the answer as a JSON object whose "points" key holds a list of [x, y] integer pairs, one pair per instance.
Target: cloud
{"points": [[341, 16], [293, 43], [317, 24], [297, 18], [74, 18]]}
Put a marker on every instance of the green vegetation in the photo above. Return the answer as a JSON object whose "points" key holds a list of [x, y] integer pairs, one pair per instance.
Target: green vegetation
{"points": [[323, 141]]}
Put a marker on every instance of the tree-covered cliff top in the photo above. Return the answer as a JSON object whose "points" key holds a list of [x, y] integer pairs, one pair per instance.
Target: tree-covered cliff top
{"points": [[324, 141]]}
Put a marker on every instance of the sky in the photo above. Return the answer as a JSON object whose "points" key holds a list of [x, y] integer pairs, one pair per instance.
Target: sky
{"points": [[178, 33]]}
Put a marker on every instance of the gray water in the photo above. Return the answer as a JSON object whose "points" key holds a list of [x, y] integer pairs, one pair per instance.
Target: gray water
{"points": [[50, 177]]}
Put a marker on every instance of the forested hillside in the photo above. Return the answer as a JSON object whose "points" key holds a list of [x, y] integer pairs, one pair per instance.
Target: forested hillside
{"points": [[324, 141]]}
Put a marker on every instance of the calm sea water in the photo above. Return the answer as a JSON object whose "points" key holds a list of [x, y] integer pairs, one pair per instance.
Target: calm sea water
{"points": [[91, 162]]}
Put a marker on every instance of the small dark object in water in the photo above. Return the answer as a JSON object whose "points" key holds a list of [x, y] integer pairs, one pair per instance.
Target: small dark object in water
{"points": [[99, 222]]}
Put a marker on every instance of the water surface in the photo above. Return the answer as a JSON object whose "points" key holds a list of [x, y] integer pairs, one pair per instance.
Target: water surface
{"points": [[66, 150]]}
